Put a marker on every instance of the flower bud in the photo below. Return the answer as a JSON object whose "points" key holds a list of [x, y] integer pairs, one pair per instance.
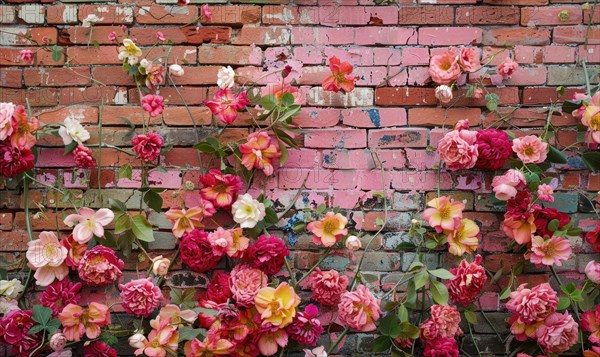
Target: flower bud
{"points": [[58, 341], [443, 94], [176, 70], [138, 341], [353, 243], [160, 267]]}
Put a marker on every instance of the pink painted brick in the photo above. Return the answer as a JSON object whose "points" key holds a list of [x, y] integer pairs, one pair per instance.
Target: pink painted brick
{"points": [[314, 75], [528, 54], [347, 199], [435, 135], [493, 56], [359, 97], [372, 180], [398, 138], [317, 179], [317, 117], [362, 56], [414, 56], [341, 159], [418, 76], [419, 180], [387, 56], [386, 36], [309, 55], [421, 159], [444, 36], [392, 159], [358, 15], [554, 15], [170, 179], [302, 158], [528, 76], [50, 157], [322, 36], [336, 138], [370, 76], [559, 54], [374, 117], [398, 77], [590, 53]]}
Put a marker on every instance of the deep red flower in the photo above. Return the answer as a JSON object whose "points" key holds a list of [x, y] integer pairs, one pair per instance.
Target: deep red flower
{"points": [[83, 157], [306, 327], [196, 251], [593, 237], [148, 146], [267, 254], [441, 347], [468, 282], [518, 207], [221, 189], [100, 266], [494, 148], [60, 294], [219, 288], [543, 216], [99, 349], [14, 161], [13, 331]]}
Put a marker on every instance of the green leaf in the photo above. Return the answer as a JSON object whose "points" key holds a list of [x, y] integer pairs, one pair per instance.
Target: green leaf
{"points": [[141, 228], [402, 313], [411, 295], [569, 106], [214, 142], [556, 156], [471, 317], [41, 314], [52, 326], [271, 216], [442, 274], [379, 221], [117, 205], [431, 244], [205, 147], [153, 200], [183, 297], [381, 344], [56, 53], [35, 329], [70, 147], [439, 293], [287, 99], [108, 338], [187, 333], [125, 171], [122, 223], [406, 246], [408, 330], [389, 326], [415, 265], [553, 225], [421, 278], [268, 102], [591, 160], [284, 152], [321, 208], [563, 303]]}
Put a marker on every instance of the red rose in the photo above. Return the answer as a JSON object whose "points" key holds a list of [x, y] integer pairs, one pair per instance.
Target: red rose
{"points": [[100, 266], [543, 216], [83, 157], [441, 347], [196, 251], [99, 349], [14, 161], [218, 289], [13, 331], [593, 238], [147, 146], [494, 148], [267, 254], [468, 282]]}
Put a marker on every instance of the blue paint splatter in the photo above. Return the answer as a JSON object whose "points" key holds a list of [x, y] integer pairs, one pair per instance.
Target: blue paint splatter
{"points": [[375, 117], [289, 227]]}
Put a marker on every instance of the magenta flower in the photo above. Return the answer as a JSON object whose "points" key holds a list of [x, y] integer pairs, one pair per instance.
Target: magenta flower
{"points": [[140, 297], [60, 294], [205, 12], [83, 157], [153, 104], [26, 55], [148, 146], [306, 327]]}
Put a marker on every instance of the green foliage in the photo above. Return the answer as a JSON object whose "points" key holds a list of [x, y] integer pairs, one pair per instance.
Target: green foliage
{"points": [[183, 297], [43, 316], [141, 228], [439, 292]]}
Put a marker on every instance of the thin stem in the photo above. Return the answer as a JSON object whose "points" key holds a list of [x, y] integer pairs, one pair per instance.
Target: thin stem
{"points": [[587, 78], [100, 151], [573, 304], [492, 326], [323, 256], [338, 340], [473, 339], [289, 269], [40, 346], [293, 201]]}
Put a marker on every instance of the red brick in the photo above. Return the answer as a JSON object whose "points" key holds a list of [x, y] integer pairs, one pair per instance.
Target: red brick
{"points": [[112, 75], [85, 114], [559, 54], [57, 77], [61, 14], [517, 2], [358, 15], [487, 15], [11, 78], [44, 97], [87, 35], [426, 15], [76, 95], [556, 15], [108, 13], [576, 34], [93, 55], [387, 96], [38, 36], [271, 35], [213, 34], [516, 36], [545, 95], [589, 53], [191, 95], [528, 54], [166, 14], [234, 15], [589, 16], [116, 115], [445, 36], [443, 117], [224, 55], [11, 57], [526, 117]]}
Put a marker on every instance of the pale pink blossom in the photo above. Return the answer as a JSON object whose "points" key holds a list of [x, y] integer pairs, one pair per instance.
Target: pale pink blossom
{"points": [[530, 149], [507, 185], [359, 309], [140, 297], [7, 111], [26, 55], [558, 333], [545, 193], [112, 36], [160, 36], [444, 68], [468, 59], [89, 223], [246, 281], [221, 241], [205, 11], [58, 341], [592, 271], [507, 68], [160, 265], [549, 251], [353, 243], [478, 93], [47, 257], [458, 148]]}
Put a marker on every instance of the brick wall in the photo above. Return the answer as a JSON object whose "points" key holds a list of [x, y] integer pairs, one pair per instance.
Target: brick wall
{"points": [[392, 111]]}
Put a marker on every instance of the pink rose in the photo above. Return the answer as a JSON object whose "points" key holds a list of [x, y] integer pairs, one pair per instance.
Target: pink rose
{"points": [[530, 149], [140, 297], [327, 286], [469, 59], [83, 157], [26, 55], [530, 306], [100, 266], [441, 347], [458, 148], [545, 193], [359, 309], [153, 104], [444, 69], [507, 68], [112, 36], [507, 185], [590, 322], [246, 281], [7, 111], [148, 146], [443, 322], [58, 341], [558, 333], [592, 271]]}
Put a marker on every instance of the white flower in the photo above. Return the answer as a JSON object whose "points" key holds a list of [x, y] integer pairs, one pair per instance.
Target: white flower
{"points": [[443, 94], [353, 243], [73, 131], [144, 63], [129, 51], [176, 70], [316, 352], [247, 211], [11, 289], [138, 341], [90, 20], [225, 77], [89, 223], [7, 305]]}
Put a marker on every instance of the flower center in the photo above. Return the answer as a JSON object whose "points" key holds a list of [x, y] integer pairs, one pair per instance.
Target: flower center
{"points": [[595, 122], [329, 227], [529, 151]]}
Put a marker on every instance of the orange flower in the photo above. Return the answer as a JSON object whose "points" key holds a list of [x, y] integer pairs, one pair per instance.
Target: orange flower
{"points": [[76, 320], [464, 238], [185, 221], [24, 128], [329, 230], [212, 345], [341, 78], [259, 152], [444, 214]]}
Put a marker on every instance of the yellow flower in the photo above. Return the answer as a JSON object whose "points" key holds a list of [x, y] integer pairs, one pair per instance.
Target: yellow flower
{"points": [[464, 238], [277, 306], [129, 51]]}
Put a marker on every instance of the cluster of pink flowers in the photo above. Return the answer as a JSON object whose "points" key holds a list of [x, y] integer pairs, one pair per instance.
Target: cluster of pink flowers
{"points": [[440, 330], [449, 66], [16, 140]]}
